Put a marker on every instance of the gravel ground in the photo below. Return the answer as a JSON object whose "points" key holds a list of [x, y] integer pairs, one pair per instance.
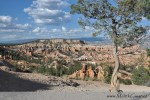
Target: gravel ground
{"points": [[33, 86]]}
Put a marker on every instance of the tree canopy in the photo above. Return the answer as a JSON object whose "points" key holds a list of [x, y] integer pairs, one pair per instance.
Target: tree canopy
{"points": [[121, 17], [140, 6]]}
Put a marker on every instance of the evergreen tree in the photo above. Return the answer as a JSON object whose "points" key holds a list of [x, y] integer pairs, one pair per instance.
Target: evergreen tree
{"points": [[118, 19]]}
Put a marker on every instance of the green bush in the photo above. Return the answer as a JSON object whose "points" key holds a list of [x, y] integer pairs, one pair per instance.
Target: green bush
{"points": [[122, 67], [62, 62], [86, 78], [41, 69], [92, 65], [126, 67], [125, 81], [37, 55], [108, 70], [148, 52], [75, 67], [59, 71], [140, 76]]}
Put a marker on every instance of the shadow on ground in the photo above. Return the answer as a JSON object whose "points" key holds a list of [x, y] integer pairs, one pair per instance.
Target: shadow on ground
{"points": [[10, 83]]}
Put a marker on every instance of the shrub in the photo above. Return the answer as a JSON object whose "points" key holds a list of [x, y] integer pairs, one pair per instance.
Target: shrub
{"points": [[125, 81], [75, 67], [62, 62], [37, 55], [41, 69], [148, 52], [48, 71], [59, 71], [86, 78], [140, 76], [122, 67], [108, 70], [92, 65], [128, 68]]}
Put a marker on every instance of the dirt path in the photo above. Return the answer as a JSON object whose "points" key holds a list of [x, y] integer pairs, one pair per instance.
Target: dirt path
{"points": [[33, 86], [18, 81]]}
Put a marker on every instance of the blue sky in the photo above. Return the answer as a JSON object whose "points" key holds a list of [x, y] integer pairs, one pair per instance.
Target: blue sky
{"points": [[27, 19]]}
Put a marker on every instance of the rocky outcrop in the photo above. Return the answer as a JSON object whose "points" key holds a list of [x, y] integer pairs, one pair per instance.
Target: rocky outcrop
{"points": [[74, 75], [69, 41], [87, 71], [100, 74], [90, 73]]}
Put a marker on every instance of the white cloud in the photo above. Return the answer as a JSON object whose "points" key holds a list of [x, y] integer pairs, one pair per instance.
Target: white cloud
{"points": [[64, 29], [7, 25], [52, 4], [23, 26], [55, 30], [74, 31], [36, 30], [5, 19], [61, 32], [43, 30], [2, 25], [11, 30], [49, 11]]}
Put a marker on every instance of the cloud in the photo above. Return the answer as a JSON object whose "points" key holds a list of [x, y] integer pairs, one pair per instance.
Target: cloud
{"points": [[36, 30], [64, 29], [5, 19], [7, 25], [52, 4], [23, 26], [44, 30], [49, 12], [62, 32], [11, 30], [55, 30], [2, 25]]}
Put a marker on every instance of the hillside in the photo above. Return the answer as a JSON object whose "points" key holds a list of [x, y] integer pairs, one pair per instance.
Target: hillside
{"points": [[60, 57]]}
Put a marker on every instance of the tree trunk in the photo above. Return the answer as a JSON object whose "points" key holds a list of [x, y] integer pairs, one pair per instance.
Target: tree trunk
{"points": [[114, 79]]}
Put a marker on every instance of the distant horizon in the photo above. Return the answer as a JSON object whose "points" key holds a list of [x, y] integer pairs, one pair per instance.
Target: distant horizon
{"points": [[80, 38]]}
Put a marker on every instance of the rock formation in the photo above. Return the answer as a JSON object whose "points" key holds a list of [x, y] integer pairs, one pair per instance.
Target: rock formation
{"points": [[74, 75], [100, 74], [87, 71], [90, 73]]}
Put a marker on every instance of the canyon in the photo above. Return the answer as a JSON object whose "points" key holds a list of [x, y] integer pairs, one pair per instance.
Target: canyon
{"points": [[56, 53]]}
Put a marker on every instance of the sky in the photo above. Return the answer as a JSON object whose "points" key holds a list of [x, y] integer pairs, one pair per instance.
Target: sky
{"points": [[28, 19]]}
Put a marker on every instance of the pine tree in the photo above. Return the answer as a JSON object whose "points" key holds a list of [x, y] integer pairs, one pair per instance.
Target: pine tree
{"points": [[118, 19]]}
